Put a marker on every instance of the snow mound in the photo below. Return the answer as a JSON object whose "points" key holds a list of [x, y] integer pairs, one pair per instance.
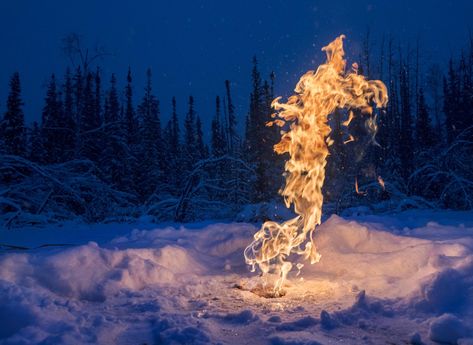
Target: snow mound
{"points": [[448, 291], [92, 273], [179, 285], [447, 329], [383, 264]]}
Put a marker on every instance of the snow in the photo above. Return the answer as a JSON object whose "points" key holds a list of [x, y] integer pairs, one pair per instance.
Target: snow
{"points": [[398, 278], [447, 329]]}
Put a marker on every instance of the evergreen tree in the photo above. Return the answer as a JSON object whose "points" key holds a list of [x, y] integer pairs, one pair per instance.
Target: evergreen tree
{"points": [[51, 125], [232, 137], [217, 140], [112, 108], [115, 160], [173, 159], [424, 132], [466, 93], [98, 96], [451, 102], [202, 150], [406, 146], [69, 119], [260, 140], [78, 87], [89, 134], [130, 118], [151, 154], [190, 144], [36, 150], [13, 124], [255, 121], [175, 131]]}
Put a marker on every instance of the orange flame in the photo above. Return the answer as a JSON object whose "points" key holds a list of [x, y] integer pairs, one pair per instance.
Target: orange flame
{"points": [[381, 182], [317, 95], [357, 189]]}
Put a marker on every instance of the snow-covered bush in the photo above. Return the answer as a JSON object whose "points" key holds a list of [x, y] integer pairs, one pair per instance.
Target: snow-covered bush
{"points": [[216, 188], [32, 194], [447, 177]]}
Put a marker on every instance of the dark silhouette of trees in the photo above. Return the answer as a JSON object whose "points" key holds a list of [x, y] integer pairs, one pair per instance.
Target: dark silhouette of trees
{"points": [[13, 130]]}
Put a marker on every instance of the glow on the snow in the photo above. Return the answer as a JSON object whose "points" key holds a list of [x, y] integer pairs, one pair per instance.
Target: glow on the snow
{"points": [[317, 95]]}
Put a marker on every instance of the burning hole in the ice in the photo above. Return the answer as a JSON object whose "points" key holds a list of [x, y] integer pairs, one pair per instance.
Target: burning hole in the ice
{"points": [[261, 288]]}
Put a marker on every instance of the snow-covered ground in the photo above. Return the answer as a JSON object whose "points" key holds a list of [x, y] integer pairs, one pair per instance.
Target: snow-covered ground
{"points": [[391, 279]]}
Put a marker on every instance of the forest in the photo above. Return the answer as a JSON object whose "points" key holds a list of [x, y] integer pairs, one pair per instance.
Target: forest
{"points": [[104, 153]]}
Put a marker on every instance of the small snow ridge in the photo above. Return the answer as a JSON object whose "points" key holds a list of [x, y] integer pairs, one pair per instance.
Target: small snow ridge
{"points": [[242, 318]]}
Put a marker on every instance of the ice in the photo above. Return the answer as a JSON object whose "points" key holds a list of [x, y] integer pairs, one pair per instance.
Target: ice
{"points": [[381, 278]]}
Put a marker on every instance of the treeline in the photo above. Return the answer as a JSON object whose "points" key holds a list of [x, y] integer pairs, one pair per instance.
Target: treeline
{"points": [[97, 155], [422, 154], [137, 164]]}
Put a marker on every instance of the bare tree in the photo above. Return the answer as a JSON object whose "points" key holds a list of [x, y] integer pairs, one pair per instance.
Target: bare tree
{"points": [[73, 48]]}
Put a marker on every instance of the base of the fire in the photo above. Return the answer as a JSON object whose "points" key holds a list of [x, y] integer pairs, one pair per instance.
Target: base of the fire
{"points": [[262, 286]]}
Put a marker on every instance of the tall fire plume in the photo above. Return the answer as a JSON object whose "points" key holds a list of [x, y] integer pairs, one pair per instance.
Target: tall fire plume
{"points": [[317, 95]]}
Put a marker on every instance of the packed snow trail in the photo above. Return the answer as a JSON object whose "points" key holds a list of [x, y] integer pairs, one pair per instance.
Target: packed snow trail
{"points": [[384, 279]]}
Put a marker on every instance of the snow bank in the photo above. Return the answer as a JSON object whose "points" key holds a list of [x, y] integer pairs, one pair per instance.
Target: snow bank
{"points": [[176, 285], [384, 264], [91, 273], [447, 329]]}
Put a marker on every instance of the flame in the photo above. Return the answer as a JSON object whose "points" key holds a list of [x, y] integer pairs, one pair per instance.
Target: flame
{"points": [[381, 183], [357, 189], [317, 95]]}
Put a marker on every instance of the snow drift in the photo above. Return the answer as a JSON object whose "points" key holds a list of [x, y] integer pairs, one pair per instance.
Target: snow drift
{"points": [[177, 286]]}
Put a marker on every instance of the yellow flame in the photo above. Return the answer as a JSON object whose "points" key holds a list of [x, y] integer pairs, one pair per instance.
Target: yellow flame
{"points": [[381, 182], [357, 189], [317, 95]]}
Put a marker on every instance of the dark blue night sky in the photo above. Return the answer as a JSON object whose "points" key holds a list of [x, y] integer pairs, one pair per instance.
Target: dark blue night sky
{"points": [[193, 46]]}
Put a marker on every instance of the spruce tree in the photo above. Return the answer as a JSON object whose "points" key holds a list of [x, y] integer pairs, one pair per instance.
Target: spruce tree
{"points": [[130, 118], [90, 146], [424, 132], [98, 96], [175, 131], [68, 119], [202, 150], [115, 160], [451, 102], [260, 140], [231, 136], [51, 125], [13, 125], [173, 161], [78, 87], [406, 145], [218, 146], [36, 150], [150, 152], [190, 145]]}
